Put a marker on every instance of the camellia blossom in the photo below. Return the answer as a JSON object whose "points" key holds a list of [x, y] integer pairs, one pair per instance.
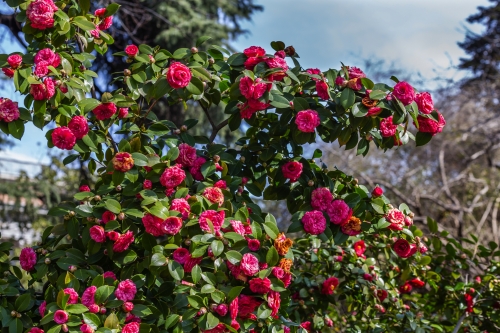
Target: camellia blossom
{"points": [[260, 286], [126, 290], [402, 248], [274, 302], [153, 225], [178, 75], [404, 92], [416, 282], [214, 195], [43, 91], [282, 244], [172, 225], [329, 285], [322, 90], [9, 110], [27, 259], [122, 113], [387, 127], [15, 60], [238, 227], [104, 110], [181, 255], [42, 308], [73, 295], [314, 71], [182, 206], [123, 162], [123, 242], [88, 296], [254, 51], [195, 169], [321, 198], [9, 72], [338, 211], [396, 218], [277, 62], [359, 247], [314, 222], [307, 121], [172, 177], [49, 57], [190, 263], [428, 125], [381, 294], [60, 317], [249, 264], [97, 234], [405, 288], [424, 102], [132, 327], [246, 305], [216, 219], [109, 275], [63, 138], [187, 155], [292, 170], [108, 216], [79, 126], [86, 329], [355, 73], [41, 14], [352, 227], [253, 244], [131, 50], [377, 192]]}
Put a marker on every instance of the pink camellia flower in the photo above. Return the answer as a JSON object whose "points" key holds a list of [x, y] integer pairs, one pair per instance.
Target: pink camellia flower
{"points": [[41, 14], [27, 258], [367, 277], [307, 121], [122, 113], [88, 296], [329, 285], [123, 242], [182, 206], [86, 329], [251, 62], [9, 110], [424, 102], [104, 111], [408, 221], [42, 308], [221, 309], [246, 87], [187, 155], [219, 328], [422, 249], [109, 275], [63, 138], [172, 225], [340, 81], [60, 317], [153, 225], [214, 195], [113, 235], [131, 50], [73, 295], [97, 234], [79, 126], [314, 222], [238, 227], [396, 218], [178, 75], [172, 177], [277, 62], [123, 162], [126, 290], [428, 125], [377, 192], [181, 255], [94, 308], [106, 22], [190, 263], [249, 264], [254, 51], [359, 247], [221, 184], [404, 92], [48, 56], [260, 286], [253, 244], [339, 212], [41, 69], [356, 73], [195, 169], [314, 71], [216, 219], [321, 198], [108, 216], [274, 302], [95, 33], [9, 72], [43, 91], [292, 170], [387, 127], [402, 248], [15, 60], [84, 188], [322, 90], [127, 306], [280, 54], [131, 328], [374, 111], [147, 184], [328, 322]]}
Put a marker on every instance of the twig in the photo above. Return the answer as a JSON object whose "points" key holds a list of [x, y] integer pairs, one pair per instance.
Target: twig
{"points": [[215, 128], [459, 323]]}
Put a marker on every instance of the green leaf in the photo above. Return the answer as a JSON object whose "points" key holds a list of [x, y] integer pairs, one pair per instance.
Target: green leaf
{"points": [[433, 227], [111, 9], [113, 206], [377, 94], [176, 270], [272, 256], [140, 159], [280, 102], [217, 247], [195, 86], [85, 6], [16, 129], [171, 320], [234, 257], [195, 301], [196, 274], [425, 260], [112, 322], [270, 226], [234, 292], [102, 294], [212, 321], [76, 308], [82, 22], [54, 329], [202, 40], [158, 259], [23, 302], [347, 98], [207, 289], [92, 320]]}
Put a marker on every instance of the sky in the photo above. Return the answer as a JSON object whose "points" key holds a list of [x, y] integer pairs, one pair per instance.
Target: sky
{"points": [[418, 36]]}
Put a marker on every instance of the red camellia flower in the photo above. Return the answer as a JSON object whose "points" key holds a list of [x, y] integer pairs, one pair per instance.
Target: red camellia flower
{"points": [[329, 285], [9, 72], [178, 75], [108, 216], [43, 91], [314, 71], [104, 111], [15, 60], [172, 225], [277, 62], [63, 138], [181, 255], [41, 69], [97, 234], [9, 110], [359, 247], [215, 218], [292, 170], [424, 102], [126, 290], [405, 288], [78, 125], [88, 296], [131, 50], [48, 56], [381, 294], [153, 225], [356, 73], [249, 264], [314, 222], [339, 212], [377, 192], [404, 92], [187, 155], [106, 22], [321, 198], [307, 121], [60, 317], [246, 305], [41, 14], [251, 62], [122, 113], [214, 195], [428, 125], [396, 218], [417, 283], [387, 128], [260, 286], [123, 242], [253, 244], [123, 162], [190, 263], [182, 206], [322, 90], [402, 248], [27, 259], [172, 177], [132, 327], [254, 51], [84, 188]]}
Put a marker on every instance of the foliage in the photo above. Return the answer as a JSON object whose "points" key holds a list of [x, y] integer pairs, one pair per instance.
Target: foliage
{"points": [[169, 238]]}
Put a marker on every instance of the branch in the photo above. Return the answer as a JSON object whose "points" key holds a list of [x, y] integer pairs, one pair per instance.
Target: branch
{"points": [[215, 128], [459, 323]]}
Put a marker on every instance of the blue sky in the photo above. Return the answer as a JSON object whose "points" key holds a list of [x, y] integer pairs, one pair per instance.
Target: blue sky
{"points": [[419, 36]]}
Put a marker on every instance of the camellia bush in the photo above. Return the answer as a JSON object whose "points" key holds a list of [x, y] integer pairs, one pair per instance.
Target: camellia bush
{"points": [[169, 238]]}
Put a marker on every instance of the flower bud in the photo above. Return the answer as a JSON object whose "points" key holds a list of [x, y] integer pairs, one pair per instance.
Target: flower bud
{"points": [[118, 188], [121, 216], [177, 132], [187, 242], [97, 198], [184, 128], [82, 68], [47, 261], [211, 61], [64, 328], [13, 313], [194, 50], [127, 72], [216, 158], [72, 268], [127, 306], [103, 310], [310, 182], [242, 159]]}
